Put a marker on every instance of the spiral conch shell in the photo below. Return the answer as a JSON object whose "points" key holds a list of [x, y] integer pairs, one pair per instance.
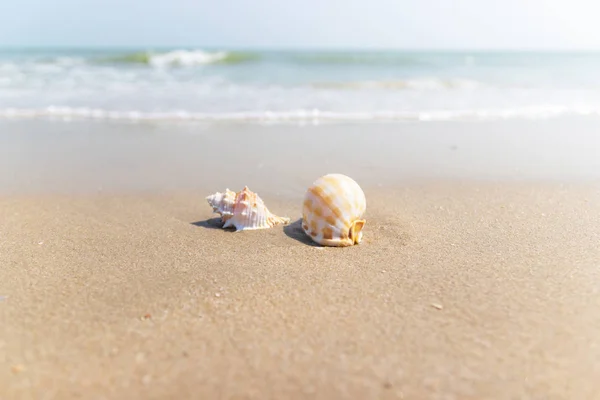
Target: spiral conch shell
{"points": [[332, 211], [244, 210]]}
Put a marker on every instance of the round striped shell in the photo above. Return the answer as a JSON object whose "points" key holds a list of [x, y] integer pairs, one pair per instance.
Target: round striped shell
{"points": [[332, 211]]}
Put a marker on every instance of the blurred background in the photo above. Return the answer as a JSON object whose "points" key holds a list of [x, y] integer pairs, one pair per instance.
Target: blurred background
{"points": [[299, 61]]}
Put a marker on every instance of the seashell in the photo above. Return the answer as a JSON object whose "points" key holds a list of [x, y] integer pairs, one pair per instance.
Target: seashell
{"points": [[332, 211], [244, 210]]}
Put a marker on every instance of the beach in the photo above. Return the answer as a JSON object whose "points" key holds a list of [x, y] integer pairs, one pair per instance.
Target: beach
{"points": [[477, 276]]}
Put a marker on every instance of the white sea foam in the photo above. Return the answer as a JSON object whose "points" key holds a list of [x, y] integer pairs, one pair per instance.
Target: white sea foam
{"points": [[299, 116], [186, 58]]}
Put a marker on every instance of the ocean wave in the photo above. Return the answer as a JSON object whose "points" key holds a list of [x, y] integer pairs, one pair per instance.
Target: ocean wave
{"points": [[300, 116], [411, 84], [185, 58]]}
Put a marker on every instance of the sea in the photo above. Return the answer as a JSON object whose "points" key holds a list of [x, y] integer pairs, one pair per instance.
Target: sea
{"points": [[301, 86]]}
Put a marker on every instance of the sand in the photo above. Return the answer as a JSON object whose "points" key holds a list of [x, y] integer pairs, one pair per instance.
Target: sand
{"points": [[462, 289]]}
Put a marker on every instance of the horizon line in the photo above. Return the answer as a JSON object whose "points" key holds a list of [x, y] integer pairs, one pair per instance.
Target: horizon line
{"points": [[290, 48]]}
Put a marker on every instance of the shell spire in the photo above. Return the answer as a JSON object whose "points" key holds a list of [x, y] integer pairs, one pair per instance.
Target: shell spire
{"points": [[243, 210], [332, 212]]}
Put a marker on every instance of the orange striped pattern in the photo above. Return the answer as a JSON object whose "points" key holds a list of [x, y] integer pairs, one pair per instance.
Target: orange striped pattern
{"points": [[331, 207]]}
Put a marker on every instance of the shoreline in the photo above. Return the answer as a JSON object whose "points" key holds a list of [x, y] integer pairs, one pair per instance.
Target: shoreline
{"points": [[82, 157]]}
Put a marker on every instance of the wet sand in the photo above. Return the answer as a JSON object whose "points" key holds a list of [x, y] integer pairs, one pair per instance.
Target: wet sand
{"points": [[470, 283]]}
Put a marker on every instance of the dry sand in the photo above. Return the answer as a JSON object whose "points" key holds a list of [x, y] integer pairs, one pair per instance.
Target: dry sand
{"points": [[461, 290]]}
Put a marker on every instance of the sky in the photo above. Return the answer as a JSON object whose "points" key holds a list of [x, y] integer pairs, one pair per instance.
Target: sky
{"points": [[366, 24]]}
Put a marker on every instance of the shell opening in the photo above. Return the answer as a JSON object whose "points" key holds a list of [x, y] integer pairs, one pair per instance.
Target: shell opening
{"points": [[355, 233]]}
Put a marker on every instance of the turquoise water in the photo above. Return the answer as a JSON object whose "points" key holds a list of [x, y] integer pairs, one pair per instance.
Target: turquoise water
{"points": [[312, 86]]}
